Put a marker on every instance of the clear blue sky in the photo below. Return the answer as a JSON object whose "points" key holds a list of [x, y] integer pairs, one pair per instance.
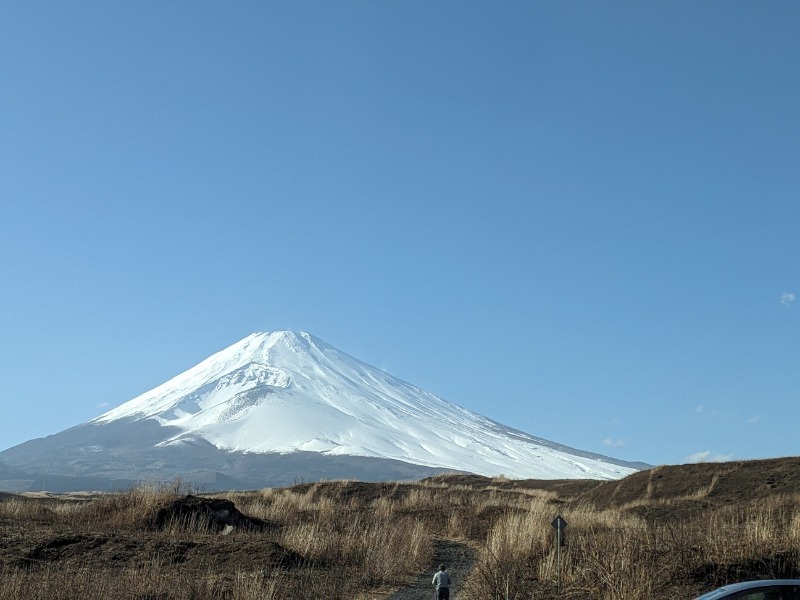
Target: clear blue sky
{"points": [[581, 219]]}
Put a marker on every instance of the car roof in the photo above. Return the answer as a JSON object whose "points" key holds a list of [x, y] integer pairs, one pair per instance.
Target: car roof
{"points": [[747, 585]]}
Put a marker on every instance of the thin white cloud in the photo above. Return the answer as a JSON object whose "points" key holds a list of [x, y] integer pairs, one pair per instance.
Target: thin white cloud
{"points": [[787, 298], [613, 443], [699, 408], [102, 405], [707, 457], [754, 419], [698, 457]]}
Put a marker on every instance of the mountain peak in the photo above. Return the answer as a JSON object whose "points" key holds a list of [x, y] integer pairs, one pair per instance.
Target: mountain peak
{"points": [[261, 343], [287, 392]]}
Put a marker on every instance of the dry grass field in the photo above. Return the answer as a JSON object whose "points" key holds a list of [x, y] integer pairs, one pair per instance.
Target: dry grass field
{"points": [[667, 533]]}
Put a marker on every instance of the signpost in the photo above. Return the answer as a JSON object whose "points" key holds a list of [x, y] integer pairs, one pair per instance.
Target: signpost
{"points": [[559, 524]]}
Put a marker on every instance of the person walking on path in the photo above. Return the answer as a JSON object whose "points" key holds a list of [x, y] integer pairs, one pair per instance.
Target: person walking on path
{"points": [[442, 582]]}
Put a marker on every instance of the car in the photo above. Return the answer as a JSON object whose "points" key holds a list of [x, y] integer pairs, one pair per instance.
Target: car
{"points": [[765, 589]]}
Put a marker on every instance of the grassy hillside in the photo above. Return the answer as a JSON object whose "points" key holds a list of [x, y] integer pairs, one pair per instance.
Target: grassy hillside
{"points": [[670, 532]]}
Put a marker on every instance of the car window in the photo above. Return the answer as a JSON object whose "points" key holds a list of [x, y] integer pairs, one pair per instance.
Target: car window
{"points": [[757, 595], [760, 594]]}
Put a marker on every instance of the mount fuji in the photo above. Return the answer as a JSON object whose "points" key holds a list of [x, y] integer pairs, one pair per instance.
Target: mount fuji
{"points": [[280, 407]]}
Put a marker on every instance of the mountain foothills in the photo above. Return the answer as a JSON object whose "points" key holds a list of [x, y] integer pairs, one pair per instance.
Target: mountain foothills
{"points": [[281, 407]]}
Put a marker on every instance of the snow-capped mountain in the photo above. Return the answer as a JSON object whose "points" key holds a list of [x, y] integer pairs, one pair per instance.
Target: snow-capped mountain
{"points": [[291, 395]]}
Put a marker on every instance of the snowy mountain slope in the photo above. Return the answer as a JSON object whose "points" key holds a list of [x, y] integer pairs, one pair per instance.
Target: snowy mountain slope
{"points": [[286, 392]]}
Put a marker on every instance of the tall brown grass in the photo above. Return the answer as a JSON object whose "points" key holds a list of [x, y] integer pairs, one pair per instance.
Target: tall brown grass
{"points": [[614, 555], [353, 544]]}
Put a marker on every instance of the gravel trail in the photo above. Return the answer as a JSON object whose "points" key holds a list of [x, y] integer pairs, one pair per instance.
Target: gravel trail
{"points": [[458, 558]]}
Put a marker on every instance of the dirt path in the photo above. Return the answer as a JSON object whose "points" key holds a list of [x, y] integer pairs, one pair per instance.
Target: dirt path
{"points": [[459, 559]]}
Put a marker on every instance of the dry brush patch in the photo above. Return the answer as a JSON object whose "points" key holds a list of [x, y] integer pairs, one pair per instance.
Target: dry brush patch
{"points": [[356, 540], [612, 554], [119, 546]]}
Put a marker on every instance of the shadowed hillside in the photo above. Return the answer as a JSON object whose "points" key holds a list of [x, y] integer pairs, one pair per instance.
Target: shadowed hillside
{"points": [[698, 487]]}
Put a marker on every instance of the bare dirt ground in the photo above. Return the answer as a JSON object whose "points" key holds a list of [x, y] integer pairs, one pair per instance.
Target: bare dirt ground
{"points": [[459, 559], [39, 546]]}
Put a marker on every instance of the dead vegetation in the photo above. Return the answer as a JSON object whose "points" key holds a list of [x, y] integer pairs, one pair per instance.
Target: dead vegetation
{"points": [[672, 532]]}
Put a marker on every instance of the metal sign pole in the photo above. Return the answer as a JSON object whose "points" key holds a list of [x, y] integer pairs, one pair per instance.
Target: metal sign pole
{"points": [[558, 581], [558, 524]]}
